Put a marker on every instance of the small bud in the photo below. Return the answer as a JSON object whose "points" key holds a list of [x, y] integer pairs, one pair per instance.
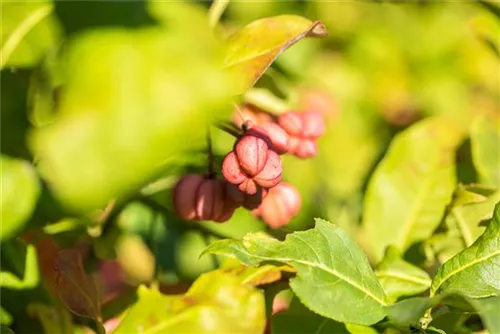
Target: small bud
{"points": [[313, 125], [251, 152], [185, 195], [272, 172], [307, 148], [196, 198], [291, 122], [279, 206], [303, 129], [231, 169], [249, 202], [209, 199], [252, 164], [273, 134]]}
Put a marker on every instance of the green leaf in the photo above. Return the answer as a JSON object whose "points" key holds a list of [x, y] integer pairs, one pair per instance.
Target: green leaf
{"points": [[29, 31], [485, 146], [474, 271], [215, 303], [412, 312], [334, 278], [18, 177], [31, 273], [134, 102], [351, 132], [6, 330], [409, 311], [489, 309], [400, 278], [54, 319], [299, 319], [468, 210], [77, 290], [5, 317], [408, 193], [255, 276], [359, 329], [251, 50]]}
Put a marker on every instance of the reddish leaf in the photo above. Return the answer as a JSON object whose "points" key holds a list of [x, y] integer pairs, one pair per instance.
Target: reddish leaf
{"points": [[76, 289]]}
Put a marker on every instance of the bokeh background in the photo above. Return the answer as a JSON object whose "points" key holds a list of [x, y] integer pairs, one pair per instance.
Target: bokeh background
{"points": [[384, 66]]}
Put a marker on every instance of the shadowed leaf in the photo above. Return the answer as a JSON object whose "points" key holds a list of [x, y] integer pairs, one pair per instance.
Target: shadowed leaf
{"points": [[76, 289], [400, 278], [411, 312], [54, 320]]}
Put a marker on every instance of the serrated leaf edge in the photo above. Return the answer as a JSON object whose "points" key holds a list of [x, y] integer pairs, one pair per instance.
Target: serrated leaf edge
{"points": [[314, 265], [454, 272]]}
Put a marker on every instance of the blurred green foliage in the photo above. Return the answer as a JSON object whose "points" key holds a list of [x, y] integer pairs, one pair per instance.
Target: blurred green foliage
{"points": [[104, 105]]}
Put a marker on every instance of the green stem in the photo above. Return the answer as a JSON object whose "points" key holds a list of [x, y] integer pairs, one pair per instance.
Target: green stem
{"points": [[215, 12], [181, 226], [265, 100]]}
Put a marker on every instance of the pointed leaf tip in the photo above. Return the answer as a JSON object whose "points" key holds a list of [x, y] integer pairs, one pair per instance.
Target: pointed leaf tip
{"points": [[318, 29]]}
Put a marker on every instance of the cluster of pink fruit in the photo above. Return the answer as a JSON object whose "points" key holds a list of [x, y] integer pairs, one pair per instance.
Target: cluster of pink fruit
{"points": [[253, 171]]}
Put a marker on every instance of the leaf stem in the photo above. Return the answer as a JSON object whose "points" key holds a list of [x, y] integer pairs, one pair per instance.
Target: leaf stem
{"points": [[265, 100], [216, 10]]}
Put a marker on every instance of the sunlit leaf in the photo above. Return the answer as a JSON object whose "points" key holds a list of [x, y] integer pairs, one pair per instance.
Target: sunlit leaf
{"points": [[334, 278], [468, 210], [29, 30], [408, 193], [31, 273], [485, 145], [132, 102], [249, 54], [473, 272], [400, 278], [5, 317], [261, 275], [352, 132], [18, 177], [215, 303]]}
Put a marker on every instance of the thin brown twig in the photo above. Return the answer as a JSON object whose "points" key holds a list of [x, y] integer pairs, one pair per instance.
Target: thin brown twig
{"points": [[229, 130]]}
